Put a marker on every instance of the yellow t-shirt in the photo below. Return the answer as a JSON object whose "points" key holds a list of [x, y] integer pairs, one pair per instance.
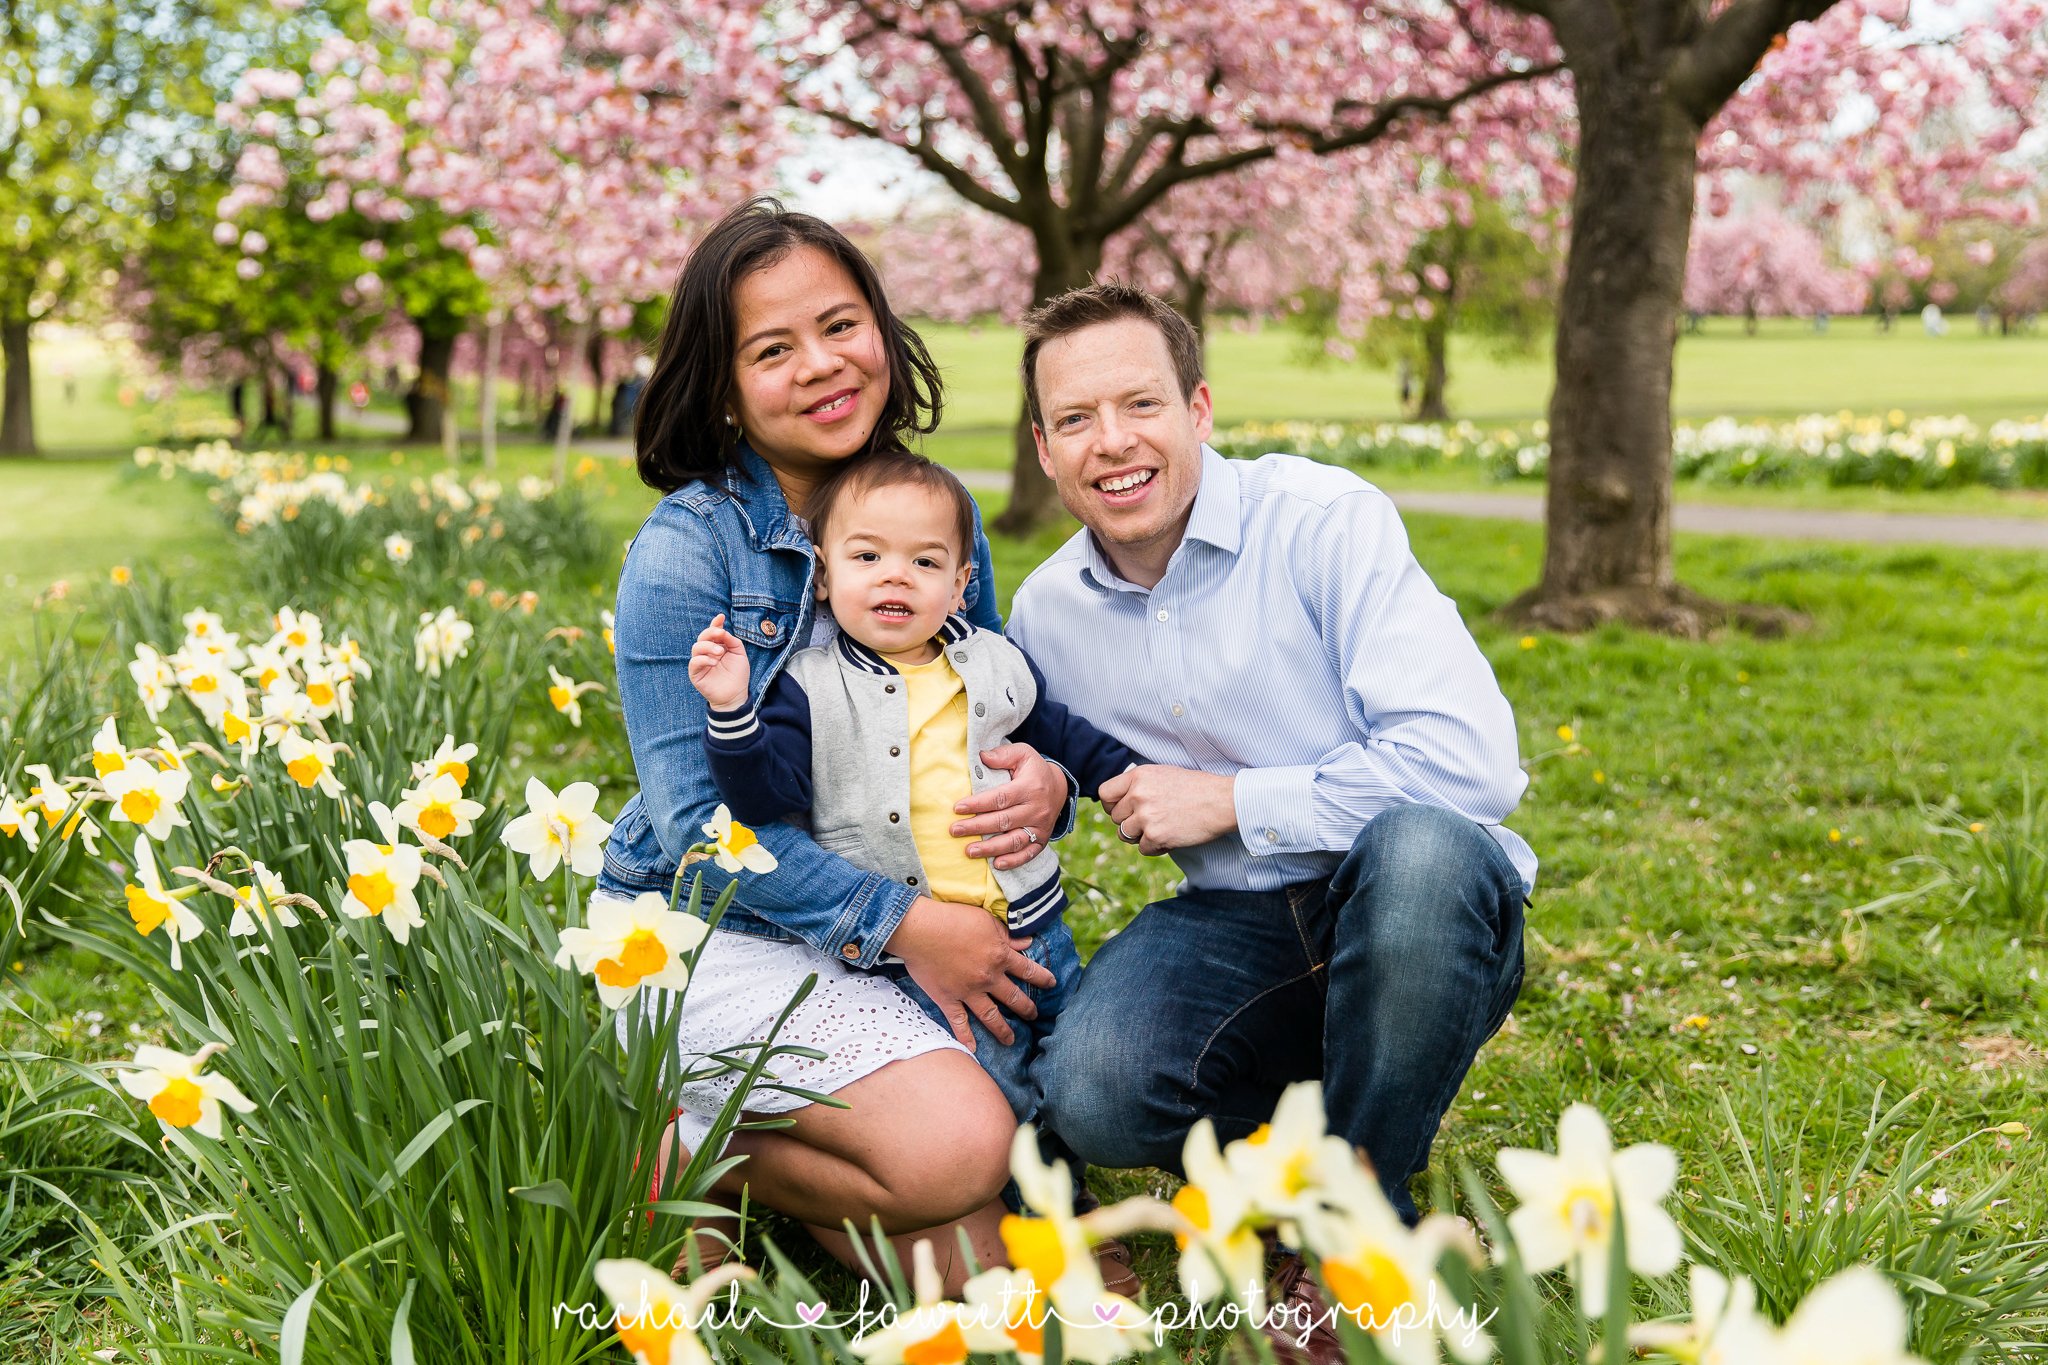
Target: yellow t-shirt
{"points": [[939, 777]]}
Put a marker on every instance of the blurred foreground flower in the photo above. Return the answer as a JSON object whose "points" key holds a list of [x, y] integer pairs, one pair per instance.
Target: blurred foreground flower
{"points": [[655, 1317]]}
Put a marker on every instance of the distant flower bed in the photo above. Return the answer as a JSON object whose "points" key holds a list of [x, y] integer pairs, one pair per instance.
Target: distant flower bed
{"points": [[1832, 450]]}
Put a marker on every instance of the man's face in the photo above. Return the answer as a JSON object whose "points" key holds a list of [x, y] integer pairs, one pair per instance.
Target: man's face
{"points": [[1119, 442]]}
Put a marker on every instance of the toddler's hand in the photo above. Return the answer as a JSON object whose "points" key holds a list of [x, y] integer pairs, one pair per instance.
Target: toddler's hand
{"points": [[718, 666]]}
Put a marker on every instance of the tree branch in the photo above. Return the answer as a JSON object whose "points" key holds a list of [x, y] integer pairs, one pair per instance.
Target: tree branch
{"points": [[1705, 72], [995, 129], [956, 177]]}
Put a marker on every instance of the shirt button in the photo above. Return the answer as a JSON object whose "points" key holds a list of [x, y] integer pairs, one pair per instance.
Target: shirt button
{"points": [[768, 629], [980, 710], [977, 770], [910, 881], [1272, 836], [1178, 709], [894, 751], [896, 817], [889, 687], [960, 656], [1162, 613], [851, 952]]}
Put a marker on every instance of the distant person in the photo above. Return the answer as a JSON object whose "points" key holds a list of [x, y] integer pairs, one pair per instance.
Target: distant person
{"points": [[557, 413], [1820, 321], [1984, 319], [1932, 320], [627, 399]]}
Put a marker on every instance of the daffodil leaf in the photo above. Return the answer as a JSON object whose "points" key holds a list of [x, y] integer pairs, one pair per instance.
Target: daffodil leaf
{"points": [[422, 1140], [552, 1193], [401, 1328], [291, 1342]]}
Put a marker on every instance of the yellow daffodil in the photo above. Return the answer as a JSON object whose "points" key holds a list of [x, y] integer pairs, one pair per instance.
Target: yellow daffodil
{"points": [[733, 845], [107, 754], [657, 1319], [1570, 1199], [153, 906], [632, 944], [611, 644], [261, 899], [310, 762], [933, 1330], [298, 636], [120, 575], [438, 809], [382, 878], [17, 822], [180, 1092], [441, 639], [563, 693], [1222, 1254], [450, 759], [558, 829], [149, 797], [1383, 1275]]}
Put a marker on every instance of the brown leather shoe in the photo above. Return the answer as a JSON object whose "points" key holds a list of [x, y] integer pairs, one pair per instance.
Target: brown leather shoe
{"points": [[1113, 1262], [1295, 1302]]}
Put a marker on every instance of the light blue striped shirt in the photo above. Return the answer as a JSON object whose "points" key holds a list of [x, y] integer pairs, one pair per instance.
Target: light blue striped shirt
{"points": [[1295, 643]]}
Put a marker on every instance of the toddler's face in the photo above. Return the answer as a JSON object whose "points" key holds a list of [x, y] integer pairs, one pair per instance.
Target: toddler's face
{"points": [[889, 568]]}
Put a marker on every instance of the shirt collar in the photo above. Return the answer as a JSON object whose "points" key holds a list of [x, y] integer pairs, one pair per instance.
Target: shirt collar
{"points": [[955, 627], [771, 522], [1215, 519]]}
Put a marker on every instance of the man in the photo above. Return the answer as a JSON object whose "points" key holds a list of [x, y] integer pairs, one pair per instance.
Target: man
{"points": [[1353, 906]]}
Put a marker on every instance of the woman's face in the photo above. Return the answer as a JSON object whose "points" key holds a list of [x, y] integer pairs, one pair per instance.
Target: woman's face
{"points": [[811, 373]]}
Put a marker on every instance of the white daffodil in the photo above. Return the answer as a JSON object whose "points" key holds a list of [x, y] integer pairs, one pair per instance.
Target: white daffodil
{"points": [[933, 1330], [155, 680], [1223, 1254], [285, 709], [260, 900], [1855, 1318], [656, 1318], [632, 944], [563, 694], [451, 759], [328, 693], [17, 822], [558, 829], [382, 878], [438, 809], [733, 845], [310, 762], [397, 549], [180, 1092], [347, 659], [1007, 1311], [153, 906], [1725, 1328], [267, 668], [1284, 1163], [169, 753], [1383, 1275], [62, 812], [107, 754], [149, 797], [207, 680], [1095, 1325], [298, 635], [203, 625], [1569, 1204], [441, 639], [237, 726]]}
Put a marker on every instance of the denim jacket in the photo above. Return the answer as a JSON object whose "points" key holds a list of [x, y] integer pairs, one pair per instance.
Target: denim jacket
{"points": [[731, 545]]}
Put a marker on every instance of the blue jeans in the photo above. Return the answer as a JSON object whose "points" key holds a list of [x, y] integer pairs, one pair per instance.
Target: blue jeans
{"points": [[1383, 980]]}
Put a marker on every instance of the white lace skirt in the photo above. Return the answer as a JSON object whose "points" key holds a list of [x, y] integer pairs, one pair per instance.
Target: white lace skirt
{"points": [[742, 982]]}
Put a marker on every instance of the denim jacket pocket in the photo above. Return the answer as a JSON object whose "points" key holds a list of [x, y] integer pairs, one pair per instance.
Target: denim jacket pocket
{"points": [[767, 623]]}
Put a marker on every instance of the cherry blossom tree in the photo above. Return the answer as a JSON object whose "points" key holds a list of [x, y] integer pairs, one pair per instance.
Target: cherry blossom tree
{"points": [[1765, 265], [2025, 289]]}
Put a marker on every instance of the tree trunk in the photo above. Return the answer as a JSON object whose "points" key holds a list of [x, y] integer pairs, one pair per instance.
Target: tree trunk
{"points": [[326, 384], [577, 337], [1194, 305], [1436, 371], [17, 408], [1062, 265], [594, 355], [1749, 318], [487, 396], [426, 403], [273, 419]]}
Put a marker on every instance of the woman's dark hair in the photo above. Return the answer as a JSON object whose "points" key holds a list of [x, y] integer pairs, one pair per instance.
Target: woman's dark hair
{"points": [[679, 428]]}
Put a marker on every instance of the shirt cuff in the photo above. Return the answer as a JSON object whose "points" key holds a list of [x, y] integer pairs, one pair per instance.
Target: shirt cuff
{"points": [[878, 907], [733, 727], [1276, 809]]}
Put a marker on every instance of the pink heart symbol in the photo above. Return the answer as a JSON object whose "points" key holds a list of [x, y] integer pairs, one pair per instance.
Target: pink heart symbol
{"points": [[810, 1312], [1105, 1313]]}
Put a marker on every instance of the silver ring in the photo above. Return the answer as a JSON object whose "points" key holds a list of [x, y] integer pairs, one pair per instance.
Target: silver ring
{"points": [[1123, 836], [1030, 836]]}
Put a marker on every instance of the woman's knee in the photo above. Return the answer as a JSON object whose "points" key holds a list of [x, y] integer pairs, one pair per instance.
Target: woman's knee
{"points": [[946, 1150]]}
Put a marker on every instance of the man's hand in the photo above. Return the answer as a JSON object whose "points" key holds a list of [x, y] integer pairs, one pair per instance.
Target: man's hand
{"points": [[1012, 822], [1158, 808], [968, 965], [718, 666]]}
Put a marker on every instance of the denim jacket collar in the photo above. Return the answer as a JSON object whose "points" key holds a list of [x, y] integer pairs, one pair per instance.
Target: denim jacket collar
{"points": [[771, 523]]}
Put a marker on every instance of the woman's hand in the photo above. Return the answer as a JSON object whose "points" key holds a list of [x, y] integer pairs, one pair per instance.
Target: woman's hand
{"points": [[967, 965], [1013, 821], [718, 666]]}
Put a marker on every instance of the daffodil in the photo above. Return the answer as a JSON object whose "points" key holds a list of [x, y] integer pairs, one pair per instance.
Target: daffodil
{"points": [[563, 694], [267, 667], [382, 877], [1725, 1328], [16, 822], [933, 1330], [204, 625], [1053, 1249], [397, 549], [1222, 1253], [238, 727], [1855, 1318], [438, 809], [298, 635], [1383, 1275], [149, 797], [207, 680], [450, 759], [48, 797], [180, 1092], [1283, 1165], [107, 754], [1570, 1202], [347, 659], [609, 622], [558, 829], [656, 1318], [441, 639], [310, 762], [261, 899], [632, 944], [153, 906], [733, 845], [328, 693], [285, 709], [155, 680]]}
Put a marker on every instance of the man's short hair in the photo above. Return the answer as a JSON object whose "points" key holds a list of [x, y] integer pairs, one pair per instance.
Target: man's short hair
{"points": [[1109, 301], [863, 474]]}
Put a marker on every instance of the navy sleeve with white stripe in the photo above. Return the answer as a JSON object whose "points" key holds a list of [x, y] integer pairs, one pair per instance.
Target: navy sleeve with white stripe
{"points": [[761, 757], [1088, 755]]}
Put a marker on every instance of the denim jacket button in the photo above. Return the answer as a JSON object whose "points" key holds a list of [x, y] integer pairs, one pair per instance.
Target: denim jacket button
{"points": [[851, 952], [768, 628]]}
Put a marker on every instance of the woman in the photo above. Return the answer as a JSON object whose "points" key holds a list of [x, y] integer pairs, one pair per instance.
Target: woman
{"points": [[779, 360]]}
